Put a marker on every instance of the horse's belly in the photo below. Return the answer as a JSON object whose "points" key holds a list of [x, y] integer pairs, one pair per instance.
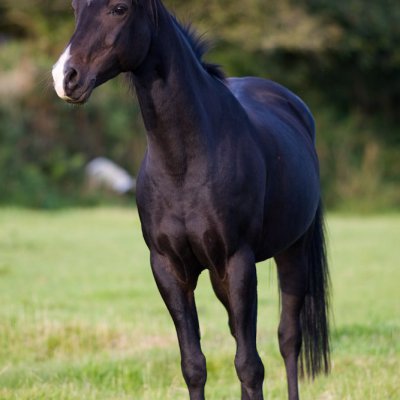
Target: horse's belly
{"points": [[287, 221]]}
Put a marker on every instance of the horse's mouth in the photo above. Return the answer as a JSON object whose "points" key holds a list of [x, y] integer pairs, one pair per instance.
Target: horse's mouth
{"points": [[82, 96], [80, 100]]}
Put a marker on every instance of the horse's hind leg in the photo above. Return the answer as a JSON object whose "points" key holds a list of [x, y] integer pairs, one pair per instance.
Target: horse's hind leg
{"points": [[292, 279], [179, 299], [238, 292]]}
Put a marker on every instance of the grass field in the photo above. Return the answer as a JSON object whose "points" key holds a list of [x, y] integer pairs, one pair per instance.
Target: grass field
{"points": [[81, 318]]}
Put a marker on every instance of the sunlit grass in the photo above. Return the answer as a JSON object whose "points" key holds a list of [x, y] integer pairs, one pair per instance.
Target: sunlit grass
{"points": [[81, 318]]}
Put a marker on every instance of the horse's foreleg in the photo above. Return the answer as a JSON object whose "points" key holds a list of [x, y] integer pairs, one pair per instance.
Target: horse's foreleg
{"points": [[179, 299], [240, 298]]}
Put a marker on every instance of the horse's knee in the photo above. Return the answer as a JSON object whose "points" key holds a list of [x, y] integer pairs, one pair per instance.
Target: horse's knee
{"points": [[250, 371], [195, 371]]}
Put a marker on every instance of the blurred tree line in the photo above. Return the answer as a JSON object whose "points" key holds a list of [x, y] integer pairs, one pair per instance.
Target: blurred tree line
{"points": [[341, 57]]}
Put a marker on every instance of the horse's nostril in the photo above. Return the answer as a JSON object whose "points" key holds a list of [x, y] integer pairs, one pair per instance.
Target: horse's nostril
{"points": [[71, 78]]}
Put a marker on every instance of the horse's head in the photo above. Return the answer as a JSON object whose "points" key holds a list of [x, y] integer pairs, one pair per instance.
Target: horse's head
{"points": [[111, 36]]}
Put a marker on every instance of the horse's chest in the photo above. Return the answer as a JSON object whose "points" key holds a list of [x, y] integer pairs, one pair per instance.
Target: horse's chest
{"points": [[190, 237]]}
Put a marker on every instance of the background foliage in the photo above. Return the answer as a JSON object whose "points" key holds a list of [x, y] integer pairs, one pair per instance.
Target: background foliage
{"points": [[341, 57]]}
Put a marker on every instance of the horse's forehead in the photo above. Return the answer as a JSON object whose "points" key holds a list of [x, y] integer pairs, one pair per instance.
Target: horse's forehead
{"points": [[82, 2], [87, 2]]}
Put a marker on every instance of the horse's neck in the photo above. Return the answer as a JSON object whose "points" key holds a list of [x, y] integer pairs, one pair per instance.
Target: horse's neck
{"points": [[172, 89]]}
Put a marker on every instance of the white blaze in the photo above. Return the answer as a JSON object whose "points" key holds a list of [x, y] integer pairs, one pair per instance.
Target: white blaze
{"points": [[58, 73]]}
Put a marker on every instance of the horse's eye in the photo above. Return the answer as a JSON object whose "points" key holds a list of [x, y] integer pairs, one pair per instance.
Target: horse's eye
{"points": [[119, 10]]}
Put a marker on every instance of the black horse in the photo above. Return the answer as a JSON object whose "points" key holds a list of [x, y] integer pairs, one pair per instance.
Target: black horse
{"points": [[230, 178]]}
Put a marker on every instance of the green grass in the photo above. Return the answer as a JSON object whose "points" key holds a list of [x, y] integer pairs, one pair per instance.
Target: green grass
{"points": [[81, 318]]}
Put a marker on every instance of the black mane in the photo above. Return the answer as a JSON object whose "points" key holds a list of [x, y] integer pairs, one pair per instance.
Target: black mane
{"points": [[200, 46]]}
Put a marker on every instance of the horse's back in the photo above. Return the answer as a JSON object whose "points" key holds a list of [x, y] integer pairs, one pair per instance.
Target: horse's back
{"points": [[281, 123], [259, 96]]}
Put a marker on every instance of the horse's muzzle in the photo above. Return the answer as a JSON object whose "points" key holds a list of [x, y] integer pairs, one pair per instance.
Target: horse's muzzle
{"points": [[72, 83]]}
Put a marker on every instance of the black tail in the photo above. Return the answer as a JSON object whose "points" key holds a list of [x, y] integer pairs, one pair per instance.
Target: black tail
{"points": [[314, 318]]}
